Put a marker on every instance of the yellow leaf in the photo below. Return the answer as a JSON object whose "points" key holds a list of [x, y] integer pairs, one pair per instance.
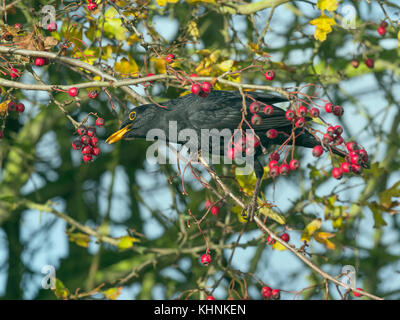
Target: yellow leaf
{"points": [[272, 215], [278, 246], [80, 239], [162, 3], [127, 68], [322, 237], [193, 30], [61, 291], [4, 106], [112, 293], [329, 5], [132, 39], [310, 229], [127, 242], [238, 210], [197, 1], [160, 65], [225, 66], [246, 181], [324, 26]]}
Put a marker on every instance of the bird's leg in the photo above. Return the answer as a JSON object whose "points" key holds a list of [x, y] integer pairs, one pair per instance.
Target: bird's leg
{"points": [[251, 208]]}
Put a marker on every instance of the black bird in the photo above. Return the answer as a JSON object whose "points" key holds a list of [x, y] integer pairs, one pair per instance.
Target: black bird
{"points": [[218, 110]]}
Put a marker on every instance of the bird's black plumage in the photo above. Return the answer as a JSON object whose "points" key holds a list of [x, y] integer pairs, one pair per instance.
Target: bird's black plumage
{"points": [[218, 110]]}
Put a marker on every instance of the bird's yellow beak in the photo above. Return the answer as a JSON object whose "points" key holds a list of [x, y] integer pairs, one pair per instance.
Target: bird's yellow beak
{"points": [[116, 136]]}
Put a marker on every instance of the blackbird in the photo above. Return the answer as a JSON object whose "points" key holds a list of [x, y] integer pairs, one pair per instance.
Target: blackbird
{"points": [[218, 110]]}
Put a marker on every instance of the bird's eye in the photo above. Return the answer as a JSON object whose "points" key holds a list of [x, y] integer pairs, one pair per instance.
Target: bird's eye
{"points": [[132, 115]]}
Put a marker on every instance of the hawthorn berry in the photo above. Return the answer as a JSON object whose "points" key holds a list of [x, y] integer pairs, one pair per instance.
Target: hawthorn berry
{"points": [[214, 210], [210, 298], [274, 171], [284, 169], [12, 106], [255, 107], [338, 111], [87, 157], [266, 292], [355, 63], [290, 115], [338, 130], [85, 139], [95, 151], [272, 133], [270, 240], [39, 61], [314, 112], [20, 108], [77, 144], [73, 92], [294, 164], [268, 110], [369, 63], [381, 30], [364, 155], [92, 6], [351, 146], [269, 75], [205, 259], [256, 120], [52, 26], [355, 168], [337, 173], [93, 94], [276, 294], [94, 141], [82, 130], [91, 131], [169, 58], [345, 167], [100, 122], [330, 131], [209, 204], [300, 122], [193, 75], [326, 138], [274, 156], [317, 151], [354, 158], [196, 88], [328, 107], [206, 87], [302, 111], [285, 237], [14, 73], [356, 294], [231, 153], [86, 150], [252, 141], [273, 163]]}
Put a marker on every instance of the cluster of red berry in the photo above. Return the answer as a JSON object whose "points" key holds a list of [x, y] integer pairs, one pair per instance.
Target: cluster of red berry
{"points": [[88, 142], [244, 144], [212, 207], [18, 107], [269, 293], [284, 236], [201, 90], [40, 62], [92, 5]]}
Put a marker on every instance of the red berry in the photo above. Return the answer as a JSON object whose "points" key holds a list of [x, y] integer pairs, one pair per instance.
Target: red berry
{"points": [[77, 144], [269, 75], [52, 26], [92, 6], [314, 112], [382, 30], [231, 153], [270, 240], [95, 151], [256, 120], [86, 150], [355, 168], [274, 171], [345, 167], [355, 63], [338, 111], [255, 107], [85, 139], [252, 141], [206, 259], [356, 294], [215, 210], [369, 63], [39, 61], [285, 237], [91, 131], [268, 110], [364, 155], [193, 75], [206, 87], [149, 75], [338, 130], [18, 26], [272, 133], [20, 107], [294, 164], [14, 73], [337, 173], [338, 140], [351, 146], [274, 156], [87, 157], [169, 58], [94, 141], [302, 111], [273, 163], [209, 204], [81, 130], [73, 92], [196, 88], [266, 292], [93, 94], [100, 122], [326, 138], [12, 106], [330, 131], [300, 122], [290, 115], [284, 169], [355, 158], [317, 151], [276, 294], [328, 107], [210, 298]]}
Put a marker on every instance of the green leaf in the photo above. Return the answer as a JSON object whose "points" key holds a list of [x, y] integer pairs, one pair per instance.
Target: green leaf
{"points": [[273, 215], [127, 242], [80, 239], [61, 291]]}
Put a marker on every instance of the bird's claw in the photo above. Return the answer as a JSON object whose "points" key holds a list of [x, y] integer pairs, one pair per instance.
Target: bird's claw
{"points": [[251, 209]]}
